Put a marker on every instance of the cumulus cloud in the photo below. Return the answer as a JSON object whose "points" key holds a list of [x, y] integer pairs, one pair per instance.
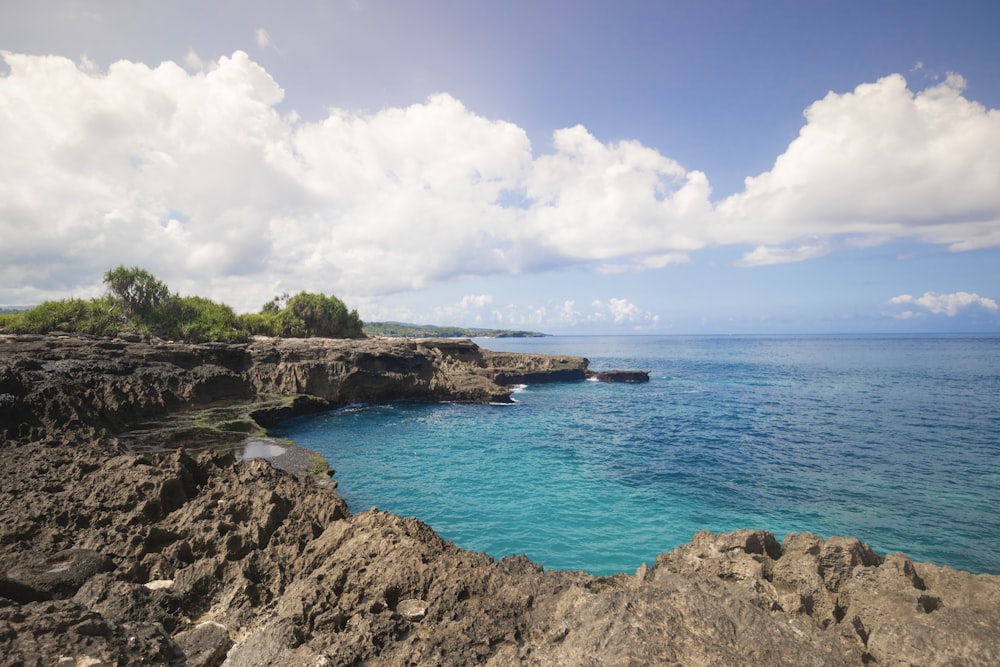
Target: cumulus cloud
{"points": [[623, 311], [596, 201], [139, 165], [193, 61], [470, 309], [194, 174], [875, 165], [476, 301], [942, 304]]}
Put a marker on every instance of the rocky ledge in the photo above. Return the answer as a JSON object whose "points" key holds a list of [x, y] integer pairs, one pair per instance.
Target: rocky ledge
{"points": [[113, 556]]}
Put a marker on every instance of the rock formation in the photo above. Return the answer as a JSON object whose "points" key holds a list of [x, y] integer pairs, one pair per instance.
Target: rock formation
{"points": [[188, 556]]}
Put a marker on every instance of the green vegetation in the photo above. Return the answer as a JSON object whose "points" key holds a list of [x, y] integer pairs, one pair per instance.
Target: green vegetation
{"points": [[303, 316], [138, 303], [136, 291], [401, 330], [92, 317], [318, 466]]}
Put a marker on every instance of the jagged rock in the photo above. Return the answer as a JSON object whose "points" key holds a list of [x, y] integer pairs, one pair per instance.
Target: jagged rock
{"points": [[58, 575], [63, 632], [204, 645], [275, 563], [621, 376], [894, 611]]}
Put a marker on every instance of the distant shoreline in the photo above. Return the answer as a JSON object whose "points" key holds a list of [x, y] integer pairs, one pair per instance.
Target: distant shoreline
{"points": [[408, 330]]}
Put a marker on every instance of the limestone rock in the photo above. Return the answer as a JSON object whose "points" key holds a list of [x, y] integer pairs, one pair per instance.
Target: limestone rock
{"points": [[621, 376], [269, 567], [63, 632], [79, 388], [204, 645], [58, 575]]}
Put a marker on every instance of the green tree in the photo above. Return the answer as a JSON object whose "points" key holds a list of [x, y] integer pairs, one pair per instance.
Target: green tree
{"points": [[137, 291], [308, 314], [275, 305]]}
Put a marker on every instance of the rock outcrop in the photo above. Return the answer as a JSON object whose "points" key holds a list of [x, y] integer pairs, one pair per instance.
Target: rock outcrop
{"points": [[621, 376], [111, 556], [75, 387]]}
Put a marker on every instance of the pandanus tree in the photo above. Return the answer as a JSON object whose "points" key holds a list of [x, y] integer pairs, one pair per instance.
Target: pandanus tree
{"points": [[136, 291]]}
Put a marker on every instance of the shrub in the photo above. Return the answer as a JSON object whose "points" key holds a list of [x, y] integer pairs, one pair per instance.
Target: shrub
{"points": [[304, 315], [321, 315], [197, 319], [138, 302], [94, 317], [260, 324]]}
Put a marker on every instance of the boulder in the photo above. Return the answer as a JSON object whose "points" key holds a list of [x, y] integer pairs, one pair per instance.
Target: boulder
{"points": [[621, 376]]}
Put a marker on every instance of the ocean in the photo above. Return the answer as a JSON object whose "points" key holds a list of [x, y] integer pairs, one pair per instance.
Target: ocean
{"points": [[891, 439]]}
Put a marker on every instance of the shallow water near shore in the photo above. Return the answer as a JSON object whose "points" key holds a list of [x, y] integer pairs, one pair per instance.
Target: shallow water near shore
{"points": [[891, 439]]}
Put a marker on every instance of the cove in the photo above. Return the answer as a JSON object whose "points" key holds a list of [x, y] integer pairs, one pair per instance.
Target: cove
{"points": [[889, 439]]}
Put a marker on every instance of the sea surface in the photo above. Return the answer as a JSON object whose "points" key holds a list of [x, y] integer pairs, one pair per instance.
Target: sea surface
{"points": [[891, 439]]}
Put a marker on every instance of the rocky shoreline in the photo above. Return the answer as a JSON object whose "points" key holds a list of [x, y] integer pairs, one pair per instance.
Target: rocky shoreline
{"points": [[181, 553]]}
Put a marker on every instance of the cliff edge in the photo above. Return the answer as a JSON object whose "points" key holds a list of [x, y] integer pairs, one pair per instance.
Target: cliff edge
{"points": [[112, 556]]}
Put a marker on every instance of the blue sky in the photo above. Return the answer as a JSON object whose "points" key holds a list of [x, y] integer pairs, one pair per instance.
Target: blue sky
{"points": [[569, 167]]}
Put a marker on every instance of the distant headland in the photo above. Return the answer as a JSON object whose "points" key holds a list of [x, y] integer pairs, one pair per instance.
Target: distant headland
{"points": [[407, 330]]}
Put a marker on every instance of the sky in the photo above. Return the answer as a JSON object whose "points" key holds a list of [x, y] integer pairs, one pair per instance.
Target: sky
{"points": [[571, 167]]}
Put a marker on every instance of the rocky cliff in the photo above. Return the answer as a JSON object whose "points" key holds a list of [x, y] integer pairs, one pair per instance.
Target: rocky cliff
{"points": [[112, 555]]}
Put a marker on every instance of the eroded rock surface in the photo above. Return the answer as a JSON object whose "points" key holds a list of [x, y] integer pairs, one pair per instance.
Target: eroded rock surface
{"points": [[75, 387], [111, 556]]}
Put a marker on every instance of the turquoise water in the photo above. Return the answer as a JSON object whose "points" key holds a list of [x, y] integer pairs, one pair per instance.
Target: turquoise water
{"points": [[895, 440]]}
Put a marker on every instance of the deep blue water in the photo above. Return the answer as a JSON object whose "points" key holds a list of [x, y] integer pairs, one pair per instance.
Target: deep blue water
{"points": [[895, 440]]}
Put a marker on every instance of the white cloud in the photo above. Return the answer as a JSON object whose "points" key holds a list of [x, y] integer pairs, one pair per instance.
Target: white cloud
{"points": [[193, 61], [595, 201], [476, 301], [875, 165], [470, 309], [548, 316], [942, 304], [645, 263], [196, 176], [263, 39], [567, 313], [765, 255], [623, 311]]}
